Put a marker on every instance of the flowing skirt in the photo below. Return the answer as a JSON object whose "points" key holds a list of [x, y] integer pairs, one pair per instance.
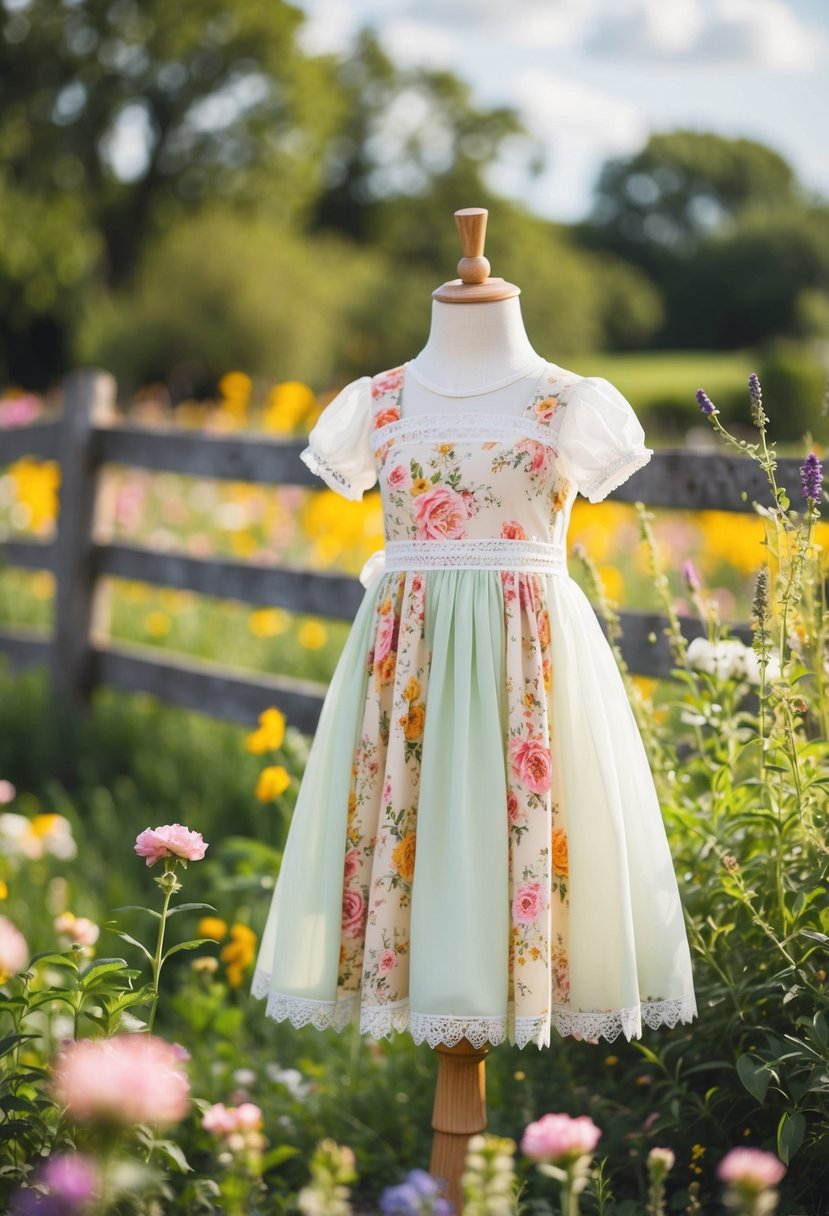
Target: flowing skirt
{"points": [[477, 848]]}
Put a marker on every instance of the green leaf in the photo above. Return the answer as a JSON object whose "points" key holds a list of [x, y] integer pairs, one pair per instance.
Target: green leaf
{"points": [[138, 908], [174, 1154], [790, 1132], [57, 960], [197, 941], [754, 1075], [283, 1152], [189, 908], [11, 1040], [126, 937], [100, 968]]}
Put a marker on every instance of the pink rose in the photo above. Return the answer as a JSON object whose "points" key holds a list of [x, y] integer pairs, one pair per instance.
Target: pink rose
{"points": [[753, 1167], [387, 382], [440, 512], [417, 584], [527, 902], [512, 530], [14, 953], [514, 812], [354, 907], [387, 960], [538, 454], [171, 840], [352, 862], [559, 1139], [385, 637], [399, 478], [531, 763], [130, 1078]]}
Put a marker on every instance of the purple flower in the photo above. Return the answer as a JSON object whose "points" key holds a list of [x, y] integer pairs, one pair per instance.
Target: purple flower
{"points": [[705, 403], [755, 393], [811, 477], [689, 573], [419, 1194], [72, 1179]]}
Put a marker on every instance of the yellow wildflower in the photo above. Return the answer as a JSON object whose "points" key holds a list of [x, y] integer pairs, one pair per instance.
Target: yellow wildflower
{"points": [[273, 781], [419, 486], [312, 635], [271, 732], [212, 926], [157, 624]]}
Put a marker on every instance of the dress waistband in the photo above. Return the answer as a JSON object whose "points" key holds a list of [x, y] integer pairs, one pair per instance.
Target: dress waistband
{"points": [[489, 553]]}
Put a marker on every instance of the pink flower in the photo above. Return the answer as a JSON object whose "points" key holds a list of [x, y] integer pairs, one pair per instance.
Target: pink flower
{"points": [[527, 902], [78, 929], [352, 862], [14, 953], [354, 907], [399, 478], [388, 382], [538, 454], [7, 791], [219, 1119], [514, 812], [531, 763], [440, 512], [559, 1138], [72, 1179], [131, 1078], [385, 637], [386, 962], [512, 530], [171, 840], [752, 1168]]}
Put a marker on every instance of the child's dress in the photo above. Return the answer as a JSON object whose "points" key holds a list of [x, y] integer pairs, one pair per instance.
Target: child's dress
{"points": [[477, 848]]}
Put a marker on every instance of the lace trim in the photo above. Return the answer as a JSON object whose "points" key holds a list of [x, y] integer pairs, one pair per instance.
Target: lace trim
{"points": [[380, 1021], [441, 428], [488, 553], [615, 473], [331, 476]]}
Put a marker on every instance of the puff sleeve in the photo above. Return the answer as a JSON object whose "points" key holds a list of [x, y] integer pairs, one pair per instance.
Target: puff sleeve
{"points": [[339, 445], [600, 440]]}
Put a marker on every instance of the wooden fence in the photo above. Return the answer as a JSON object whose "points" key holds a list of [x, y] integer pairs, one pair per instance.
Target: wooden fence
{"points": [[84, 438]]}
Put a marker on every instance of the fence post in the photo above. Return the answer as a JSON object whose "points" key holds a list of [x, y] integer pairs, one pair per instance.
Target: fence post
{"points": [[88, 397]]}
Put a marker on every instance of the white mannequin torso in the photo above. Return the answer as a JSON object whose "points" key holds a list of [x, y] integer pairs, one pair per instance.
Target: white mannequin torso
{"points": [[477, 356]]}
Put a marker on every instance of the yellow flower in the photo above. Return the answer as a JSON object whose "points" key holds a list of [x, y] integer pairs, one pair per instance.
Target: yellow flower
{"points": [[560, 851], [157, 624], [238, 954], [412, 690], [312, 635], [288, 404], [268, 622], [413, 722], [271, 732], [611, 1060], [403, 857], [45, 825], [273, 781], [212, 926], [419, 486], [4, 890]]}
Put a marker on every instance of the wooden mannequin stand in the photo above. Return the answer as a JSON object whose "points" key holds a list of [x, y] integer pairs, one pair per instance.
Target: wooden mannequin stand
{"points": [[459, 1111], [460, 1095]]}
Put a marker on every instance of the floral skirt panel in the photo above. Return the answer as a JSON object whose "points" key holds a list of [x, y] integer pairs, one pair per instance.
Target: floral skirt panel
{"points": [[477, 848]]}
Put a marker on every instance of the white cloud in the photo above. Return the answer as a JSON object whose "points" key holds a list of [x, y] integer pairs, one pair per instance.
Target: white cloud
{"points": [[756, 34]]}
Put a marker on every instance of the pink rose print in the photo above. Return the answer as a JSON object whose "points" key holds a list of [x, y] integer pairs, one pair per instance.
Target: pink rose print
{"points": [[440, 512], [352, 862], [531, 763], [400, 478], [385, 637], [514, 812], [512, 530], [545, 408], [354, 907], [527, 903], [538, 453], [388, 382], [386, 963], [382, 417]]}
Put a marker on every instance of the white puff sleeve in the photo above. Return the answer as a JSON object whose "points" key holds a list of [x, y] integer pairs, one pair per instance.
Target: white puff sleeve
{"points": [[600, 440], [339, 446]]}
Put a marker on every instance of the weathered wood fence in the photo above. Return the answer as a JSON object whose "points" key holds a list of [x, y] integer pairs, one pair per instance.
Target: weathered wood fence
{"points": [[84, 438]]}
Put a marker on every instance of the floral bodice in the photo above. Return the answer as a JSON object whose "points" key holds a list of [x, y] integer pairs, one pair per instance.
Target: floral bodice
{"points": [[476, 476]]}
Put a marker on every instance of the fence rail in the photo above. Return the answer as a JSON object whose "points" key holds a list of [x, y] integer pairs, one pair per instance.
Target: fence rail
{"points": [[84, 438]]}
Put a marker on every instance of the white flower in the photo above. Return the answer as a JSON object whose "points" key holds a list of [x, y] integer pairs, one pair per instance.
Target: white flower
{"points": [[730, 659]]}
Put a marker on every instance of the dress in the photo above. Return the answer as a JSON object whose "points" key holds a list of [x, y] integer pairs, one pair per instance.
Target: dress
{"points": [[477, 848]]}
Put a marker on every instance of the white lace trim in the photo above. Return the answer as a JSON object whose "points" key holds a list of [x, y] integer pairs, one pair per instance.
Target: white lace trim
{"points": [[624, 466], [487, 553], [332, 477], [481, 427], [380, 1021]]}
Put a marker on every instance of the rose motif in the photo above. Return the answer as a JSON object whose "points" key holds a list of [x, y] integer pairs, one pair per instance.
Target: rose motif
{"points": [[399, 478], [385, 637], [386, 962], [389, 414], [531, 763], [512, 530], [403, 857], [528, 902], [352, 862], [354, 907], [560, 851], [440, 512]]}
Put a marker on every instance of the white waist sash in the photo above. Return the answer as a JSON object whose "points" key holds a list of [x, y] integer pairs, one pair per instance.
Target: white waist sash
{"points": [[489, 553]]}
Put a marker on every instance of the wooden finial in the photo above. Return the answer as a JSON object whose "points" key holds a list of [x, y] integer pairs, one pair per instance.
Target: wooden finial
{"points": [[474, 285]]}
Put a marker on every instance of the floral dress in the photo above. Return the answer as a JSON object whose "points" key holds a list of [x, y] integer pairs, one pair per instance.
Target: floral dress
{"points": [[477, 848]]}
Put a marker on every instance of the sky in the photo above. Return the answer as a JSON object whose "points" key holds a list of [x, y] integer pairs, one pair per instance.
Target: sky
{"points": [[591, 79]]}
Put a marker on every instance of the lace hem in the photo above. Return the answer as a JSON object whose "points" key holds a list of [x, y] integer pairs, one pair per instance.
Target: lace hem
{"points": [[488, 553], [442, 428], [332, 477], [381, 1021], [623, 467]]}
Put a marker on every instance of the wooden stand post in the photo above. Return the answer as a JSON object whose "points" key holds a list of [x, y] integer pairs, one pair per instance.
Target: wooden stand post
{"points": [[459, 1111]]}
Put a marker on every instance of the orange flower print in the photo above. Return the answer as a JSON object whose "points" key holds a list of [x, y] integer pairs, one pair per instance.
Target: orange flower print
{"points": [[544, 628], [382, 417], [547, 673], [513, 531], [560, 851], [559, 495], [412, 690], [403, 857], [384, 669], [545, 408], [412, 722]]}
